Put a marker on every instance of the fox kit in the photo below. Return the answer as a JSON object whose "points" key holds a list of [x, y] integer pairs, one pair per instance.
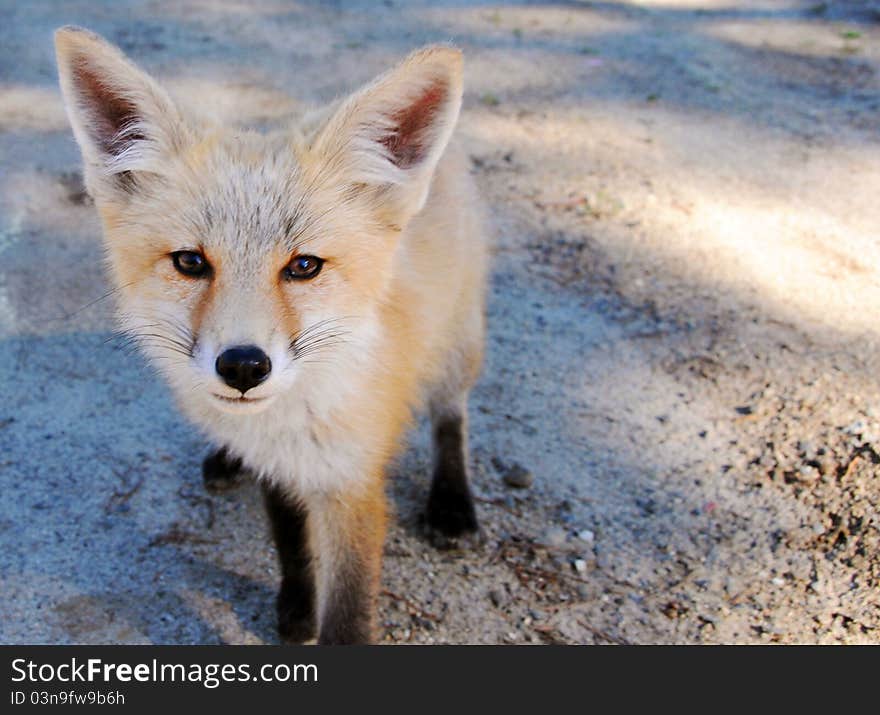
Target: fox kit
{"points": [[302, 292]]}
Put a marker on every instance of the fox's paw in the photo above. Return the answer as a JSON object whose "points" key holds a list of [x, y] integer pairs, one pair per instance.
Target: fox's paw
{"points": [[221, 472], [450, 521], [296, 630], [296, 621]]}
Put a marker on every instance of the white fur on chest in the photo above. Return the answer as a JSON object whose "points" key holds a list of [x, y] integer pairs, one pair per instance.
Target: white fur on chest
{"points": [[283, 446]]}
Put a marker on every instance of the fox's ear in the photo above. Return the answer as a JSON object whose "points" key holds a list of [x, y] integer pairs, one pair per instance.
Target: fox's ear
{"points": [[123, 121], [391, 134]]}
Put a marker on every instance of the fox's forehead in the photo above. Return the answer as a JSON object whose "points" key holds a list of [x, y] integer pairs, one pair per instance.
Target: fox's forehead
{"points": [[245, 191]]}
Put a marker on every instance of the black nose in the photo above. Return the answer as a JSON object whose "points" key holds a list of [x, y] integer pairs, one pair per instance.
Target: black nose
{"points": [[243, 367]]}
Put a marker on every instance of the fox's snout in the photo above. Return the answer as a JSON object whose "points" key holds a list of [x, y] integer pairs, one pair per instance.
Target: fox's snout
{"points": [[243, 367]]}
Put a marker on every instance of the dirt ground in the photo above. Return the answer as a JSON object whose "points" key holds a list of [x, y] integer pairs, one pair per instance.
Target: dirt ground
{"points": [[685, 201]]}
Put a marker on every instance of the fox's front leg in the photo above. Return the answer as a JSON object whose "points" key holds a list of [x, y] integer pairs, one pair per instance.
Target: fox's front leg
{"points": [[347, 532], [296, 598]]}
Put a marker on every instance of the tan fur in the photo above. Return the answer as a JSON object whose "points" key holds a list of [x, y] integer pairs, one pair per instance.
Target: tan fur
{"points": [[344, 527], [404, 273]]}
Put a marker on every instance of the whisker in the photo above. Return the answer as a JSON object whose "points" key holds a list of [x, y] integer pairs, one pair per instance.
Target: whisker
{"points": [[91, 303], [319, 336]]}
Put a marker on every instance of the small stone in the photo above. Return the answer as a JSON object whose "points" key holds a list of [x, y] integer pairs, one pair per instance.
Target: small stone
{"points": [[586, 535], [496, 597], [807, 449], [518, 477], [554, 537], [826, 464], [855, 429], [580, 565], [809, 473]]}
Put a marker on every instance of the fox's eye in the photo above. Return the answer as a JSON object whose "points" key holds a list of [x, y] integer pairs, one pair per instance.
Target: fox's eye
{"points": [[190, 263], [303, 267]]}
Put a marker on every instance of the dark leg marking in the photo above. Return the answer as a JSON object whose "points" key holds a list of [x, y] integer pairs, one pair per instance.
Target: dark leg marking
{"points": [[348, 615], [296, 598], [221, 471], [450, 514]]}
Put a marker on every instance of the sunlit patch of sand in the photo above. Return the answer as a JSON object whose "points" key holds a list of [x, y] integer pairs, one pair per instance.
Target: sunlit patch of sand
{"points": [[237, 102], [780, 226], [35, 109], [802, 38]]}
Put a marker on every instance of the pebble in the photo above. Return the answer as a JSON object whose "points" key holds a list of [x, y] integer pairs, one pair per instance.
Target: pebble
{"points": [[554, 536], [855, 428], [518, 477], [586, 535], [580, 565], [809, 473], [808, 449]]}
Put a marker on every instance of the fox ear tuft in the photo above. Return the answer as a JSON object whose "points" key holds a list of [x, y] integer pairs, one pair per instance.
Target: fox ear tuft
{"points": [[413, 128], [392, 133], [113, 117], [122, 120]]}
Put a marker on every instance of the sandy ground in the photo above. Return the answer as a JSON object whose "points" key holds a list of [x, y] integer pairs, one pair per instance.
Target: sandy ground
{"points": [[685, 200]]}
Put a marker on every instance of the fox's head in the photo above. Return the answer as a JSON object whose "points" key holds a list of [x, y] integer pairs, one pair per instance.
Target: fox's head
{"points": [[242, 258]]}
